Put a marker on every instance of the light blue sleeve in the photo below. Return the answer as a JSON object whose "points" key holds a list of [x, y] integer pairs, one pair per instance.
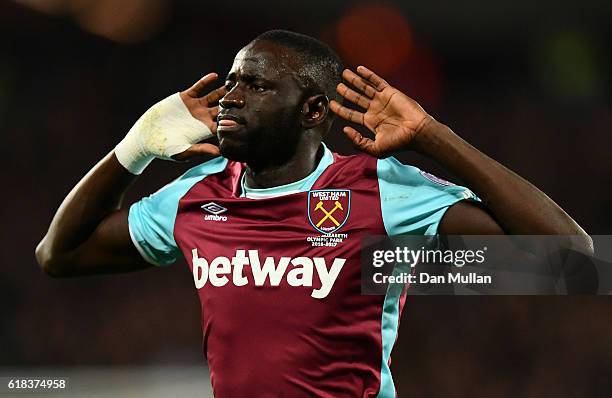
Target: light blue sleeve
{"points": [[413, 201], [151, 220]]}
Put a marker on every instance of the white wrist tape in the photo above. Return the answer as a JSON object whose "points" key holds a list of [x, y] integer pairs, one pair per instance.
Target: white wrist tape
{"points": [[165, 129]]}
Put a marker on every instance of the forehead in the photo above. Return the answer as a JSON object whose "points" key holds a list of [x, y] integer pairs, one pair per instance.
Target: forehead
{"points": [[265, 59]]}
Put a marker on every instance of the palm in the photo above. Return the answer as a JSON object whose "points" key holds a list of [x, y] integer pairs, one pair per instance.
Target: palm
{"points": [[393, 117], [202, 104]]}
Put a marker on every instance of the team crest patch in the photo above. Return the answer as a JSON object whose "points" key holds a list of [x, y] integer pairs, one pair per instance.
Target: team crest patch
{"points": [[328, 209]]}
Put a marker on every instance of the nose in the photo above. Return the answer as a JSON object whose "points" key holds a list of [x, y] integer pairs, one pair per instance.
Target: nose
{"points": [[233, 99]]}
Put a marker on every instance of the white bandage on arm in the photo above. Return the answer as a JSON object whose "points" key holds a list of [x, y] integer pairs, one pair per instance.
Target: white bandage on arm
{"points": [[165, 129]]}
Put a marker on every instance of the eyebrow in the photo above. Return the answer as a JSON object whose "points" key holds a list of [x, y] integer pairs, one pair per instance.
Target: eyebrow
{"points": [[248, 77]]}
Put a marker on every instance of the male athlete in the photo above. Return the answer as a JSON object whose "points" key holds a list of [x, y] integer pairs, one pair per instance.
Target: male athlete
{"points": [[271, 229]]}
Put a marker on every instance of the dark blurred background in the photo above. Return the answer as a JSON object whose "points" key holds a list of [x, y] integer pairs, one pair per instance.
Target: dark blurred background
{"points": [[527, 82]]}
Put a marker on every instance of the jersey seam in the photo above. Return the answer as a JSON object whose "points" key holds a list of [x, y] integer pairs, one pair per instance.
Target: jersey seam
{"points": [[140, 250], [380, 200], [183, 196]]}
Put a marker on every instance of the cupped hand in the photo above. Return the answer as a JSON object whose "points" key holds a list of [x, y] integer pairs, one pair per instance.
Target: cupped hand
{"points": [[394, 118]]}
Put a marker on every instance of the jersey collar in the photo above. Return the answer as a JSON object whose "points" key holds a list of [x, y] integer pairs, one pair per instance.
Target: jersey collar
{"points": [[294, 187]]}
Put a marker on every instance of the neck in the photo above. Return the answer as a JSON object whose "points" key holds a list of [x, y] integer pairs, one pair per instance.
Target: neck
{"points": [[303, 162]]}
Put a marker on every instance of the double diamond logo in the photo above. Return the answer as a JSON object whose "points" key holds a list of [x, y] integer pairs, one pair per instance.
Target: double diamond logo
{"points": [[214, 208]]}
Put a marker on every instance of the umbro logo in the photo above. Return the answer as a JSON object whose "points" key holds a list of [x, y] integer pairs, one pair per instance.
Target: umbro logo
{"points": [[215, 210]]}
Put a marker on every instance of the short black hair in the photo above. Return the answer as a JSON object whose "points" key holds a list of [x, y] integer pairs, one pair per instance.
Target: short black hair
{"points": [[321, 67]]}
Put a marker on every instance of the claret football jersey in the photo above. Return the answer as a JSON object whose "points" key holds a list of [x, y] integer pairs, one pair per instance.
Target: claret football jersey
{"points": [[278, 272]]}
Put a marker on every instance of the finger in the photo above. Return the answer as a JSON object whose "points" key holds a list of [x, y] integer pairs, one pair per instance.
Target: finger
{"points": [[205, 149], [378, 82], [214, 112], [197, 150], [212, 98], [359, 141], [353, 96], [359, 83], [200, 87], [347, 113]]}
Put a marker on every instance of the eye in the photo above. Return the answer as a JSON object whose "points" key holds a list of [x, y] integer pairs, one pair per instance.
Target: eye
{"points": [[257, 88]]}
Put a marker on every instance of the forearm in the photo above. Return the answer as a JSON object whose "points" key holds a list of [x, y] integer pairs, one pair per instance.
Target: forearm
{"points": [[400, 123], [98, 194], [518, 206]]}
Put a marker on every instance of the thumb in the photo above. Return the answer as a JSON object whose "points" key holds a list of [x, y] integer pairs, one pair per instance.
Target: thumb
{"points": [[197, 150], [362, 143], [200, 87]]}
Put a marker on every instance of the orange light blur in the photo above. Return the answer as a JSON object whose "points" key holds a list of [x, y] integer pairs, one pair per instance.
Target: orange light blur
{"points": [[376, 34], [125, 21]]}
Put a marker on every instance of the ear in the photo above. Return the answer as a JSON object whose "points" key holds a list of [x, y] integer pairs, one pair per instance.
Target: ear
{"points": [[314, 111]]}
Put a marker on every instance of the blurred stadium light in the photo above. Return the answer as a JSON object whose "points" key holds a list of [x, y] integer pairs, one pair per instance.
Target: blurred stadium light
{"points": [[379, 36], [375, 32], [124, 21], [571, 65]]}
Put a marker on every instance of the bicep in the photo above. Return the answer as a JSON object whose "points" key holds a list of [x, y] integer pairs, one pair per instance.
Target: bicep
{"points": [[469, 218], [109, 249]]}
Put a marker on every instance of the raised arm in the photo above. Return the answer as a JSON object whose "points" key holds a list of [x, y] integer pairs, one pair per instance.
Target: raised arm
{"points": [[511, 203], [89, 233]]}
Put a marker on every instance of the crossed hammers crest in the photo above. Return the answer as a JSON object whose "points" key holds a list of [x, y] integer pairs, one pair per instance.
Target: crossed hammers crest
{"points": [[328, 214]]}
